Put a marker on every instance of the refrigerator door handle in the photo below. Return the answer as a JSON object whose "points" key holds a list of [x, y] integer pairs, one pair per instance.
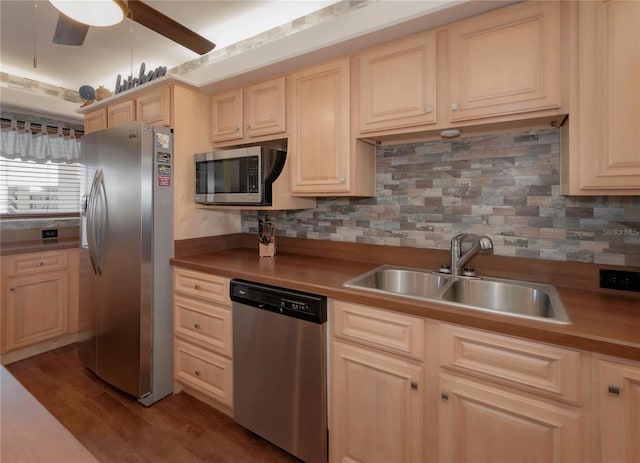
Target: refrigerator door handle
{"points": [[91, 218], [91, 242], [101, 207]]}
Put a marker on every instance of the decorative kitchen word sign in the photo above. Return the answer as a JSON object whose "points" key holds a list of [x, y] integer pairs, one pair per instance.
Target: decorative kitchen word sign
{"points": [[142, 78]]}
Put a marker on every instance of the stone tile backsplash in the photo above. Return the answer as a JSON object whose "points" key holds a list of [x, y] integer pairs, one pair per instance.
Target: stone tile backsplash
{"points": [[504, 185]]}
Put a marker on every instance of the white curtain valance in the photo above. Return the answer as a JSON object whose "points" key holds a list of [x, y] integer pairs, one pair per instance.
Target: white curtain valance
{"points": [[29, 144]]}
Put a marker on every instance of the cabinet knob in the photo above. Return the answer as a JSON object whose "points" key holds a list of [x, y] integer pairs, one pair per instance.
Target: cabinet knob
{"points": [[444, 396], [613, 390], [12, 289], [342, 179], [40, 264], [198, 372], [196, 326], [196, 286], [414, 385], [428, 109], [236, 129], [248, 126], [454, 106]]}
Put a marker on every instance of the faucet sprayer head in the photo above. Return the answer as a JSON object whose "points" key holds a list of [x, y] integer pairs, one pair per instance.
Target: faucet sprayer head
{"points": [[486, 243]]}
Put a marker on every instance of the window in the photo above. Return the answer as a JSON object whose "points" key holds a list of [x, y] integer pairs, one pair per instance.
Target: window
{"points": [[27, 187], [39, 168]]}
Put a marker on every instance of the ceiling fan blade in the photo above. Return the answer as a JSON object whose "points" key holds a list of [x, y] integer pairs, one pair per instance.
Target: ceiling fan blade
{"points": [[69, 32], [156, 21]]}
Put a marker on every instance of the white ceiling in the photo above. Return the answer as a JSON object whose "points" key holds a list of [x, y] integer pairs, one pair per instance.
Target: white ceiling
{"points": [[120, 49]]}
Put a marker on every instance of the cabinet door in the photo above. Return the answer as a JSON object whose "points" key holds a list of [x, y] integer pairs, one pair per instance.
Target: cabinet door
{"points": [[505, 62], [618, 397], [121, 113], [398, 84], [95, 120], [376, 407], [483, 424], [265, 108], [226, 116], [36, 308], [319, 144], [155, 107], [609, 76]]}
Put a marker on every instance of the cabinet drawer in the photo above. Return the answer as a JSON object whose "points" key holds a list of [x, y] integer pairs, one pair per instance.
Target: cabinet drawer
{"points": [[393, 332], [205, 324], [529, 365], [203, 285], [21, 264], [208, 373]]}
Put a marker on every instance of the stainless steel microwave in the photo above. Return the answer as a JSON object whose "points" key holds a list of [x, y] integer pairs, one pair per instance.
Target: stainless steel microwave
{"points": [[239, 176]]}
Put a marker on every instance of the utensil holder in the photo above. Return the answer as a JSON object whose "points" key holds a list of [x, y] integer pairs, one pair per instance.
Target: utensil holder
{"points": [[268, 250]]}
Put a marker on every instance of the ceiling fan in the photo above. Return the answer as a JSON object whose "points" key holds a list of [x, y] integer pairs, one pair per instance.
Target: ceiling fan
{"points": [[72, 32]]}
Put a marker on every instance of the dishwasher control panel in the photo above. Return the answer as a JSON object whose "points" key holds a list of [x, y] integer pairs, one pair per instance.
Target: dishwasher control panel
{"points": [[298, 304]]}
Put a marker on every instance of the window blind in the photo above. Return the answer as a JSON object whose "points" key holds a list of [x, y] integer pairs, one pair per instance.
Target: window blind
{"points": [[27, 187]]}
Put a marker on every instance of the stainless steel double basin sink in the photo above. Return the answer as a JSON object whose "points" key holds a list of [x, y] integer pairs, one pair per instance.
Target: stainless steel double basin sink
{"points": [[509, 297]]}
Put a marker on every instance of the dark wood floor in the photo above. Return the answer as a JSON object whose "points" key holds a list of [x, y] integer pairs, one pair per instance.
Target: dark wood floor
{"points": [[116, 428]]}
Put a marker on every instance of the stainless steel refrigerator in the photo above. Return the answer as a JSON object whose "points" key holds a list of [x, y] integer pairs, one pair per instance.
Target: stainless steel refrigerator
{"points": [[127, 242]]}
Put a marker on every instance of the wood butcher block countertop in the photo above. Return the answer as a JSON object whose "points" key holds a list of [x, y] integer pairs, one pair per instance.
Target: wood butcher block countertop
{"points": [[30, 433], [602, 321]]}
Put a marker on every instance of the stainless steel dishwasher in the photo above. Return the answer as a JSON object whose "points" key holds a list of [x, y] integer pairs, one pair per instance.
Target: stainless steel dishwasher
{"points": [[279, 367]]}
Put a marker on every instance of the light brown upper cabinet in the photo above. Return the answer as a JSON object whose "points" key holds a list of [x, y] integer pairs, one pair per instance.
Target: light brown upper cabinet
{"points": [[226, 116], [121, 113], [326, 159], [154, 107], [95, 120], [398, 83], [256, 111], [601, 142], [505, 62]]}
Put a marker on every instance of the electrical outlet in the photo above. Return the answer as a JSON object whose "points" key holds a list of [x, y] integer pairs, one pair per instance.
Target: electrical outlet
{"points": [[619, 279], [48, 234]]}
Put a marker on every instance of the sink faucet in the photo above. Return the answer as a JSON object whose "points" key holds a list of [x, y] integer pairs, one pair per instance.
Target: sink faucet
{"points": [[458, 260]]}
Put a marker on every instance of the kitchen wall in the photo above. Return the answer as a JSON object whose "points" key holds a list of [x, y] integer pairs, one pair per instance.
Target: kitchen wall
{"points": [[502, 185]]}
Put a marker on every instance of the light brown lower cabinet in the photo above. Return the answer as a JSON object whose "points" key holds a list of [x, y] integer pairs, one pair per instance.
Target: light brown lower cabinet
{"points": [[36, 308], [504, 399], [377, 379], [406, 389], [39, 302], [617, 393], [202, 350]]}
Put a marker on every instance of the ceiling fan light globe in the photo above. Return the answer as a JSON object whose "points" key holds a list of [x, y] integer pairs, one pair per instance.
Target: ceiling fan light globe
{"points": [[100, 13]]}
